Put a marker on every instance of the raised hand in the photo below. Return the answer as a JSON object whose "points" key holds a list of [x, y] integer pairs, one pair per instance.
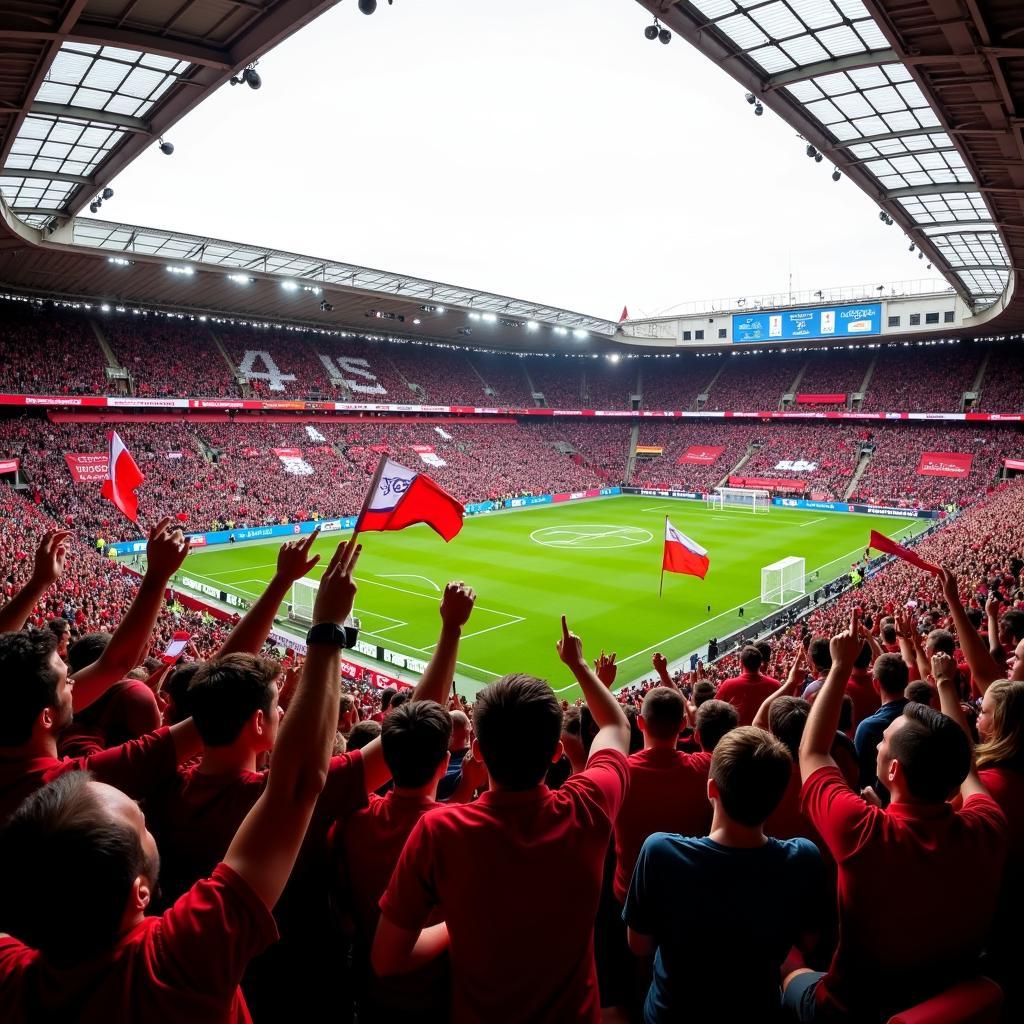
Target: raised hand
{"points": [[457, 604], [50, 557], [992, 606], [165, 550], [796, 673], [570, 648], [950, 586], [847, 645], [944, 670], [293, 559], [337, 593], [606, 668], [660, 662]]}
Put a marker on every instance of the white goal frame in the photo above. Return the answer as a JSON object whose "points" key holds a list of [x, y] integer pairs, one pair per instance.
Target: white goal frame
{"points": [[300, 608], [748, 499], [783, 581]]}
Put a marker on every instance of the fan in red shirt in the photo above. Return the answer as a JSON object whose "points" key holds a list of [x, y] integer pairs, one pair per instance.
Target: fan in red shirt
{"points": [[862, 687], [85, 951], [516, 876], [895, 952], [746, 692]]}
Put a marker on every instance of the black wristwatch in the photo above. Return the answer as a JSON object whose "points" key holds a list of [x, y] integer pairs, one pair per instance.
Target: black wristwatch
{"points": [[327, 633]]}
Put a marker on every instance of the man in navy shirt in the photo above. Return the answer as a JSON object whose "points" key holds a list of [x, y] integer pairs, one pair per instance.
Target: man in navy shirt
{"points": [[891, 676], [753, 897]]}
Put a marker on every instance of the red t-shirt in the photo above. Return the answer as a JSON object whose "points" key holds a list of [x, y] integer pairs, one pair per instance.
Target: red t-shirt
{"points": [[668, 792], [747, 693], [136, 768], [517, 878], [899, 942], [195, 816], [126, 711], [184, 965], [788, 821], [866, 700]]}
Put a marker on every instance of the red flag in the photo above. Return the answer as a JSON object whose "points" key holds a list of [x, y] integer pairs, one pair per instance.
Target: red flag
{"points": [[683, 554], [882, 543], [625, 314], [123, 477], [400, 497], [175, 649]]}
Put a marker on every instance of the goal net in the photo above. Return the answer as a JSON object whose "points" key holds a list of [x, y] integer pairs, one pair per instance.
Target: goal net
{"points": [[750, 499], [783, 581], [303, 598]]}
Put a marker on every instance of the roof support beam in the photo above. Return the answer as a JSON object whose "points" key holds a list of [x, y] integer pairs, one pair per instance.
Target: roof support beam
{"points": [[71, 179], [887, 137], [122, 121], [929, 190], [829, 67]]}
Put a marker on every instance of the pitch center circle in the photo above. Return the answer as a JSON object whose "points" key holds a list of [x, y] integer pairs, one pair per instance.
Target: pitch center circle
{"points": [[591, 536]]}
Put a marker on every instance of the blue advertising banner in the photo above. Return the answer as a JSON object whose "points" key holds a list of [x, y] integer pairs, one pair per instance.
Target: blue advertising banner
{"points": [[859, 321], [842, 506]]}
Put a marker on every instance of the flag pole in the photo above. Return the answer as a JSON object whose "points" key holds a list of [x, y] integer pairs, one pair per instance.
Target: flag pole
{"points": [[374, 483], [661, 584]]}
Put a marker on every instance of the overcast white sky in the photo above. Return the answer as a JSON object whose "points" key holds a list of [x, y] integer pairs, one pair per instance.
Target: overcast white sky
{"points": [[542, 149]]}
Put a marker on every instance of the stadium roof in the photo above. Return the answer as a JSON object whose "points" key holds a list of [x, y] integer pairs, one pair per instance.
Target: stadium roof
{"points": [[88, 84], [920, 104]]}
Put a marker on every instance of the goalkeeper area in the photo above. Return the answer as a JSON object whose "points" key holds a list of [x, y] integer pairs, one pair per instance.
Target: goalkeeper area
{"points": [[597, 561]]}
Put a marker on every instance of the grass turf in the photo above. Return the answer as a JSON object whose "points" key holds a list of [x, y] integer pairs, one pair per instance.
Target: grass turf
{"points": [[598, 562]]}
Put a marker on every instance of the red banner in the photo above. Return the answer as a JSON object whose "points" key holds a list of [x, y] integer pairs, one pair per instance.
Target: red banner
{"points": [[10, 465], [422, 449], [770, 483], [287, 453], [700, 454], [87, 469], [1008, 463], [944, 464], [836, 398]]}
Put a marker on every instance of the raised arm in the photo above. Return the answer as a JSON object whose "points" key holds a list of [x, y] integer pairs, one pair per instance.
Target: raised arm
{"points": [[264, 849], [293, 563], [660, 663], [456, 607], [945, 675], [49, 564], [610, 719], [984, 670], [788, 689], [823, 721], [906, 636], [995, 648], [165, 553]]}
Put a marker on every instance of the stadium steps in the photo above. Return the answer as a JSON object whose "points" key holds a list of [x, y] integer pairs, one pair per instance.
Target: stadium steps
{"points": [[979, 379], [634, 436], [754, 446], [416, 389], [862, 465], [236, 376], [865, 383], [531, 388], [710, 384], [118, 378], [108, 352], [489, 392]]}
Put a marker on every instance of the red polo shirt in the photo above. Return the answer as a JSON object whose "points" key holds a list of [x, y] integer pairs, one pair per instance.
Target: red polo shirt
{"points": [[135, 768], [195, 816], [899, 942], [517, 878], [668, 792], [126, 711], [182, 966], [747, 693]]}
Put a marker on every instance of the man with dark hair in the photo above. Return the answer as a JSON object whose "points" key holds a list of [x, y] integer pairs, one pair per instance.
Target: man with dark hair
{"points": [[386, 696], [890, 640], [85, 950], [721, 881], [531, 856], [414, 740], [861, 687], [747, 691], [921, 692], [362, 734], [891, 675], [892, 955], [820, 662], [713, 720], [61, 629]]}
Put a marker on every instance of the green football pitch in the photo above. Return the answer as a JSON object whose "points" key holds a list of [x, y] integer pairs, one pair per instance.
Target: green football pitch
{"points": [[597, 561]]}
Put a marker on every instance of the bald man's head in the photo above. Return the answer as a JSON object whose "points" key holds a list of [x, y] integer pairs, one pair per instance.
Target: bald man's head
{"points": [[460, 731]]}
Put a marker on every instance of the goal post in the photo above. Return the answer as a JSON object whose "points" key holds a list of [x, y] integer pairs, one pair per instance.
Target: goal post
{"points": [[783, 581], [304, 593], [749, 499]]}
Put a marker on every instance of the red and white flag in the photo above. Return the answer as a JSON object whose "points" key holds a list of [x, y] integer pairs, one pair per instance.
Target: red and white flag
{"points": [[683, 554], [400, 497], [625, 315], [123, 477], [176, 648]]}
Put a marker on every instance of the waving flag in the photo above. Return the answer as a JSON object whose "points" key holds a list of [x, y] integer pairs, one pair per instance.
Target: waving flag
{"points": [[400, 497], [625, 315], [880, 542], [123, 477], [682, 555]]}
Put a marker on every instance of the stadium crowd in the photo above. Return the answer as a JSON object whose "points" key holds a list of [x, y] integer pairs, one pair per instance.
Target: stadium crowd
{"points": [[231, 839], [49, 350]]}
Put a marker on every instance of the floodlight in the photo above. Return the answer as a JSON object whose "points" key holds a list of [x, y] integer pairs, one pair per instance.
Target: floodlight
{"points": [[251, 77], [912, 247], [167, 148], [367, 6], [758, 110], [881, 215], [818, 158], [651, 32], [811, 151], [836, 175], [750, 98], [93, 208], [107, 193], [664, 36], [289, 286]]}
